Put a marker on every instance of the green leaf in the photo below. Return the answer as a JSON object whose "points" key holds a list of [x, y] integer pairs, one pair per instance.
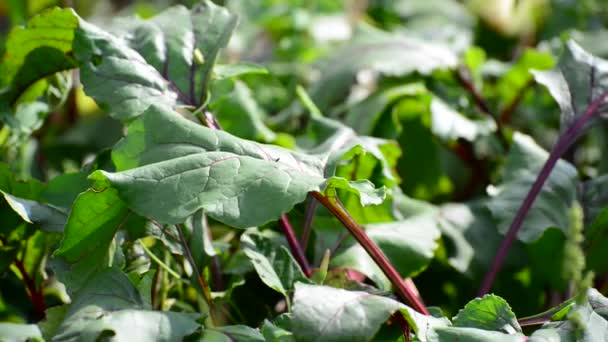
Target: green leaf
{"points": [[409, 245], [93, 221], [63, 190], [364, 115], [50, 218], [274, 333], [109, 305], [273, 263], [19, 332], [583, 325], [448, 124], [227, 186], [28, 189], [519, 76], [382, 52], [467, 230], [450, 334], [552, 206], [38, 50], [230, 333], [578, 79], [200, 168], [488, 313], [222, 71], [329, 314], [240, 114], [152, 61]]}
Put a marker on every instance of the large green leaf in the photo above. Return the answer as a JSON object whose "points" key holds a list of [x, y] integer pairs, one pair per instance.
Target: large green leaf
{"points": [[187, 167], [109, 305], [226, 185], [409, 245], [153, 61], [273, 263], [488, 313], [330, 314], [552, 206]]}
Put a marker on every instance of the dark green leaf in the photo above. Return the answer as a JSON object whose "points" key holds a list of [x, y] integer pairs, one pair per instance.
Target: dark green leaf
{"points": [[552, 206], [273, 263], [578, 79], [50, 218]]}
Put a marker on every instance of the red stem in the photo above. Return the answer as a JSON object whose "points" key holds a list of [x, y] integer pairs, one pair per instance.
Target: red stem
{"points": [[403, 324], [402, 289], [295, 247], [36, 295], [564, 142]]}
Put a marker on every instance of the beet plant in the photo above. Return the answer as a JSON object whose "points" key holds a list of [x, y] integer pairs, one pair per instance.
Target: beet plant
{"points": [[241, 172]]}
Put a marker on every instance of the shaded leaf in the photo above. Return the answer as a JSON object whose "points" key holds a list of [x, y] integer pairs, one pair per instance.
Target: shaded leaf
{"points": [[578, 79], [551, 207], [109, 304], [274, 264], [50, 218]]}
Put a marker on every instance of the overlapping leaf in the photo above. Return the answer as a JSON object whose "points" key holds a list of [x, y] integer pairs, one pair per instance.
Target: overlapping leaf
{"points": [[408, 244], [109, 304], [579, 79], [182, 167], [551, 208], [274, 264], [329, 314]]}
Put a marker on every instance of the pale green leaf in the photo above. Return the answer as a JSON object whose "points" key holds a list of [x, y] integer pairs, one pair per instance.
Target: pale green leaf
{"points": [[330, 314]]}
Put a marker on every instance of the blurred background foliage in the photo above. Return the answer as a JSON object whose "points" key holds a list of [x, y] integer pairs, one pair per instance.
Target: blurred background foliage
{"points": [[454, 127]]}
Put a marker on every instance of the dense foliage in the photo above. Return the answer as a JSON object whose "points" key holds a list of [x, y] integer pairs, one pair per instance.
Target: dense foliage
{"points": [[389, 170]]}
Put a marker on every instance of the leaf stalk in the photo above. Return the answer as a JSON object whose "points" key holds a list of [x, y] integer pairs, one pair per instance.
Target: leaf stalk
{"points": [[566, 140], [401, 287], [295, 247]]}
